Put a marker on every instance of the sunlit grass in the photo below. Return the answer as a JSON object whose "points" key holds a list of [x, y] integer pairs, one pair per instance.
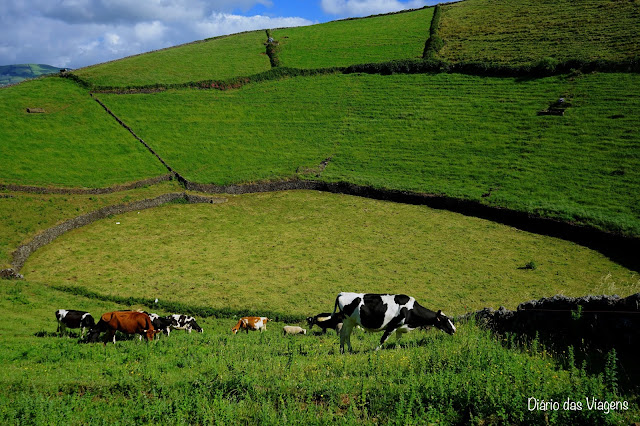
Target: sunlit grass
{"points": [[292, 252]]}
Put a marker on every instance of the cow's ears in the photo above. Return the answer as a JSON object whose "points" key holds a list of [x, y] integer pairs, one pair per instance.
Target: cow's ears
{"points": [[439, 313]]}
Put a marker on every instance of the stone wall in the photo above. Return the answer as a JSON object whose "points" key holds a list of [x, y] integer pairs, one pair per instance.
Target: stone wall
{"points": [[22, 253], [597, 323]]}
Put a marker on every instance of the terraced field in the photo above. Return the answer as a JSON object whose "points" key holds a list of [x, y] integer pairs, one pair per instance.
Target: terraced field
{"points": [[215, 59], [358, 41], [526, 31], [458, 135], [71, 144]]}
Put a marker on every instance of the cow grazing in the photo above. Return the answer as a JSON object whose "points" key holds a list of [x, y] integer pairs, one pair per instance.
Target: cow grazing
{"points": [[162, 324], [250, 323], [183, 322], [293, 330], [129, 322], [325, 320], [70, 318], [386, 312]]}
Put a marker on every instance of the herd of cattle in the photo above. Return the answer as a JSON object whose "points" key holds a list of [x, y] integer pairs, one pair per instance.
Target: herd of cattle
{"points": [[391, 313]]}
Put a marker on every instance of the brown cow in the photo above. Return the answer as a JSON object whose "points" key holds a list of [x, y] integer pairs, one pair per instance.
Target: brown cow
{"points": [[250, 323], [130, 322]]}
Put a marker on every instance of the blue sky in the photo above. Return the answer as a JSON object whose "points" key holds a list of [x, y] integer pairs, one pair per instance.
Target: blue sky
{"points": [[77, 33]]}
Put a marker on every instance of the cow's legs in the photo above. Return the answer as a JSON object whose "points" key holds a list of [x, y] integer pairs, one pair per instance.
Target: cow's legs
{"points": [[345, 335]]}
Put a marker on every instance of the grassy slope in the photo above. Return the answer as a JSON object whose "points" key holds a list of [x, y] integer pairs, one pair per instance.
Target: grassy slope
{"points": [[215, 59], [343, 43], [523, 31], [448, 134], [292, 252], [74, 143], [24, 215]]}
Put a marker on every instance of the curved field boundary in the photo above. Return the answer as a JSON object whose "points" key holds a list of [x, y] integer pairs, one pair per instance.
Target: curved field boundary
{"points": [[22, 253], [88, 191]]}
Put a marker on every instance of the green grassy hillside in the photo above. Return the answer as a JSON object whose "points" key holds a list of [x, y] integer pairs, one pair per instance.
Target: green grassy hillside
{"points": [[73, 143], [10, 74], [446, 134], [358, 41], [524, 31], [292, 252], [215, 59]]}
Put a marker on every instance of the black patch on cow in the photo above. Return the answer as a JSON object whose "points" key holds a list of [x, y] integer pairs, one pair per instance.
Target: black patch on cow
{"points": [[420, 316], [348, 309], [401, 299], [372, 311]]}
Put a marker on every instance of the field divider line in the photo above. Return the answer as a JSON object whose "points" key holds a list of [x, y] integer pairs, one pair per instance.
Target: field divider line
{"points": [[22, 253], [178, 176], [87, 191]]}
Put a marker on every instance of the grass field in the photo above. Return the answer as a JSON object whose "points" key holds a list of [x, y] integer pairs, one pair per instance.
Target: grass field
{"points": [[524, 31], [450, 134], [297, 250], [216, 377], [358, 41], [72, 144], [215, 59], [24, 215], [11, 74]]}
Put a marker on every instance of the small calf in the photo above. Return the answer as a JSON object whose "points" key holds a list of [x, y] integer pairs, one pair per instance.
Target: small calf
{"points": [[290, 329], [325, 320]]}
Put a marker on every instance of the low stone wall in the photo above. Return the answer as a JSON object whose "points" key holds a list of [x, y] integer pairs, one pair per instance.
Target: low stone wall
{"points": [[598, 323], [22, 253], [90, 191]]}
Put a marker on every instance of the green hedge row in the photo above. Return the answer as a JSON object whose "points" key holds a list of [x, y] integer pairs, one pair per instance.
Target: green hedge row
{"points": [[434, 42]]}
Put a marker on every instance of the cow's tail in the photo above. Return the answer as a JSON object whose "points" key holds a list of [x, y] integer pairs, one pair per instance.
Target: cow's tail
{"points": [[336, 306]]}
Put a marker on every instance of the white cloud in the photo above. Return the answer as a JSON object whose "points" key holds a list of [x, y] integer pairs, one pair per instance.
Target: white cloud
{"points": [[77, 33], [223, 23], [369, 7]]}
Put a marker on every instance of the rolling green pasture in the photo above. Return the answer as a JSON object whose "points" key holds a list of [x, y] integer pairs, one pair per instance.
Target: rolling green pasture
{"points": [[24, 215], [292, 252], [524, 31], [358, 41], [216, 377], [452, 134], [214, 59], [72, 144]]}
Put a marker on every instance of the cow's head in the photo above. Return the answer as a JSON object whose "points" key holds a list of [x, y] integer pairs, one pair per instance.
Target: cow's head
{"points": [[444, 323], [93, 335], [194, 325]]}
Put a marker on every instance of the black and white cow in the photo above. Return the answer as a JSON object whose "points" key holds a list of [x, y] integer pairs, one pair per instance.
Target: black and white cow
{"points": [[386, 312], [70, 318], [163, 324], [183, 322], [325, 320]]}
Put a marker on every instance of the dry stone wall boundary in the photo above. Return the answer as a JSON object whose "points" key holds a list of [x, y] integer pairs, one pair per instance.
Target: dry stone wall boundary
{"points": [[22, 253]]}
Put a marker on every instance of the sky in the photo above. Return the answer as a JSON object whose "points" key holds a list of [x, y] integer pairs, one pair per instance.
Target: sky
{"points": [[78, 33]]}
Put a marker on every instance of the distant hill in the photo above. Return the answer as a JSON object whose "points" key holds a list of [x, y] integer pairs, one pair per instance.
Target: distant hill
{"points": [[10, 74]]}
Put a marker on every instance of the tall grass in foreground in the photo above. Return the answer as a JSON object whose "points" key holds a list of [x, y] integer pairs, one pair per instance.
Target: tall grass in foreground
{"points": [[266, 378]]}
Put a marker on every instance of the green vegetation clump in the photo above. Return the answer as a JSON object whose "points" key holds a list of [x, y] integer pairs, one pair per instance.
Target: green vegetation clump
{"points": [[74, 143], [526, 31], [220, 58], [357, 41]]}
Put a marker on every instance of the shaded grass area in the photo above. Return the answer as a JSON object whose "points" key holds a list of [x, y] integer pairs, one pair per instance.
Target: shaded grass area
{"points": [[265, 378], [291, 253], [463, 136], [23, 215], [218, 58], [71, 144], [523, 31], [347, 42]]}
